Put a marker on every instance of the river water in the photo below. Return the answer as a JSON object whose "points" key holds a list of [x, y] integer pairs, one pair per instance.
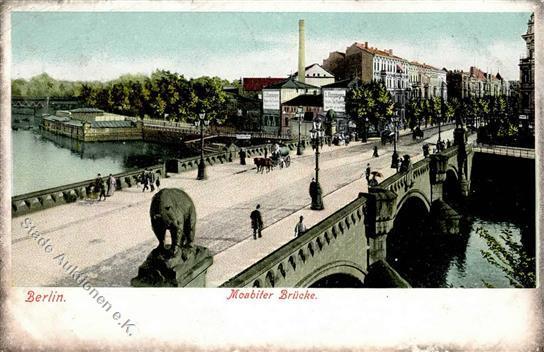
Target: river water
{"points": [[43, 161]]}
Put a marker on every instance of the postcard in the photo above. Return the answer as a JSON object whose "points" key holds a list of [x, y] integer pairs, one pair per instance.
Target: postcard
{"points": [[261, 176]]}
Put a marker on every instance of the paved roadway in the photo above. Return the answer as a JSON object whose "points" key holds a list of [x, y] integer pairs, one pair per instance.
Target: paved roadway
{"points": [[109, 240]]}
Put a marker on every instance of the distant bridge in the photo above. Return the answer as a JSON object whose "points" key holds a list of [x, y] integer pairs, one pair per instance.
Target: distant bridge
{"points": [[177, 130], [517, 152], [44, 102]]}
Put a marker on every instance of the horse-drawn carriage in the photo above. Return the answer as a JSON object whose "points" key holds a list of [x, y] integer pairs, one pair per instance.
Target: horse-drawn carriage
{"points": [[279, 157]]}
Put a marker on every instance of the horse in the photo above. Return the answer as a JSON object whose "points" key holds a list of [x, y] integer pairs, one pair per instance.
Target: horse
{"points": [[263, 163]]}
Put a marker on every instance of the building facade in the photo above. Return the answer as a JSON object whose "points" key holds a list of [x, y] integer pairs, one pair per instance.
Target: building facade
{"points": [[274, 96], [426, 81], [372, 64], [527, 73], [92, 125], [316, 75], [476, 83]]}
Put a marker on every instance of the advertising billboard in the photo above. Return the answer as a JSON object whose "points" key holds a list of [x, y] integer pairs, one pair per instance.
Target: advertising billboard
{"points": [[271, 99], [334, 99]]}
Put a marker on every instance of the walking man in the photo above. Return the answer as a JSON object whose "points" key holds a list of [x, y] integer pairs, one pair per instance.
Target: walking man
{"points": [[375, 154], [256, 222], [152, 180], [102, 190], [299, 227], [145, 180]]}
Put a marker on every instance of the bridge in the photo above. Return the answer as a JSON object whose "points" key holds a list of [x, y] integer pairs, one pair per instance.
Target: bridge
{"points": [[45, 102], [108, 240], [349, 246], [346, 242], [516, 152], [171, 130]]}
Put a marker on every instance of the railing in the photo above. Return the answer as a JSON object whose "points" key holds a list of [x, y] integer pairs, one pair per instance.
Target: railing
{"points": [[223, 131], [47, 198], [274, 270], [504, 150]]}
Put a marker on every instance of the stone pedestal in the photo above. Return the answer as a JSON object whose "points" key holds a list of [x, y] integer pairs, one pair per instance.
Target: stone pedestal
{"points": [[187, 269], [444, 218]]}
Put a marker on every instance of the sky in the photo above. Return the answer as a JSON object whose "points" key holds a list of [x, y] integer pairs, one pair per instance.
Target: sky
{"points": [[105, 45]]}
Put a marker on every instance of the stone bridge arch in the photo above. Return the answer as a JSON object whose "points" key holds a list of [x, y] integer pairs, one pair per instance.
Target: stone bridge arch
{"points": [[413, 193], [344, 267]]}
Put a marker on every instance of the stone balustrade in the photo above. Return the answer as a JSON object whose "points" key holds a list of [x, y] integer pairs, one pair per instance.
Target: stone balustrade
{"points": [[314, 255], [187, 164], [40, 200]]}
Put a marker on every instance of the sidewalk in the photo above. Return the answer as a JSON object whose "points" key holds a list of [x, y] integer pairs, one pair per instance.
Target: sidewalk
{"points": [[249, 251]]}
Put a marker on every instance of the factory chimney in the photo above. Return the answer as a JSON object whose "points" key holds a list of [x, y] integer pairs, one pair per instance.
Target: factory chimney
{"points": [[301, 58]]}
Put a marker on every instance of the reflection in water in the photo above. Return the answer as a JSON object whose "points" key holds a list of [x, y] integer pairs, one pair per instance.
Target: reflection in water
{"points": [[436, 260], [502, 198], [44, 160]]}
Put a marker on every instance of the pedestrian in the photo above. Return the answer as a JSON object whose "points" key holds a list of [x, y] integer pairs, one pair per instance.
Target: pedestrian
{"points": [[97, 183], [266, 152], [256, 222], [158, 182], [375, 154], [112, 183], [102, 190], [425, 150], [242, 154], [448, 143], [313, 190], [299, 227], [367, 172], [152, 180], [145, 180]]}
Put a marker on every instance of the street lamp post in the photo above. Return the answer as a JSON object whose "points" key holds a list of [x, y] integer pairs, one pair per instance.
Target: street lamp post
{"points": [[395, 156], [441, 113], [201, 165], [316, 135], [365, 130], [299, 116]]}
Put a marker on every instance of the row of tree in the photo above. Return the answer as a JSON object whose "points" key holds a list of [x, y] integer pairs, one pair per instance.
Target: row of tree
{"points": [[371, 104], [162, 95]]}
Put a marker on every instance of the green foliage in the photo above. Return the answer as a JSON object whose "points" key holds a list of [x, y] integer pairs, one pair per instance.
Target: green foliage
{"points": [[370, 101], [509, 256], [163, 95]]}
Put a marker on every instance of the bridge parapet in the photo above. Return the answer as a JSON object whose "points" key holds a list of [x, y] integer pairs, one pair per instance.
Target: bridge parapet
{"points": [[47, 198], [315, 254]]}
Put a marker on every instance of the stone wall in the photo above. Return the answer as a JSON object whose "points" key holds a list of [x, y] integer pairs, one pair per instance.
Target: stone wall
{"points": [[337, 244], [40, 200]]}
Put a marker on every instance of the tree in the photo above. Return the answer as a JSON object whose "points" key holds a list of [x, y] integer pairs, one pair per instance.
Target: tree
{"points": [[509, 256], [370, 101], [360, 107], [209, 97]]}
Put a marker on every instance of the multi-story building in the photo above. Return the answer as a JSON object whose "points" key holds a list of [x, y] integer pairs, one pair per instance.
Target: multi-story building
{"points": [[527, 73], [335, 64], [372, 64], [426, 81], [274, 96], [476, 83]]}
